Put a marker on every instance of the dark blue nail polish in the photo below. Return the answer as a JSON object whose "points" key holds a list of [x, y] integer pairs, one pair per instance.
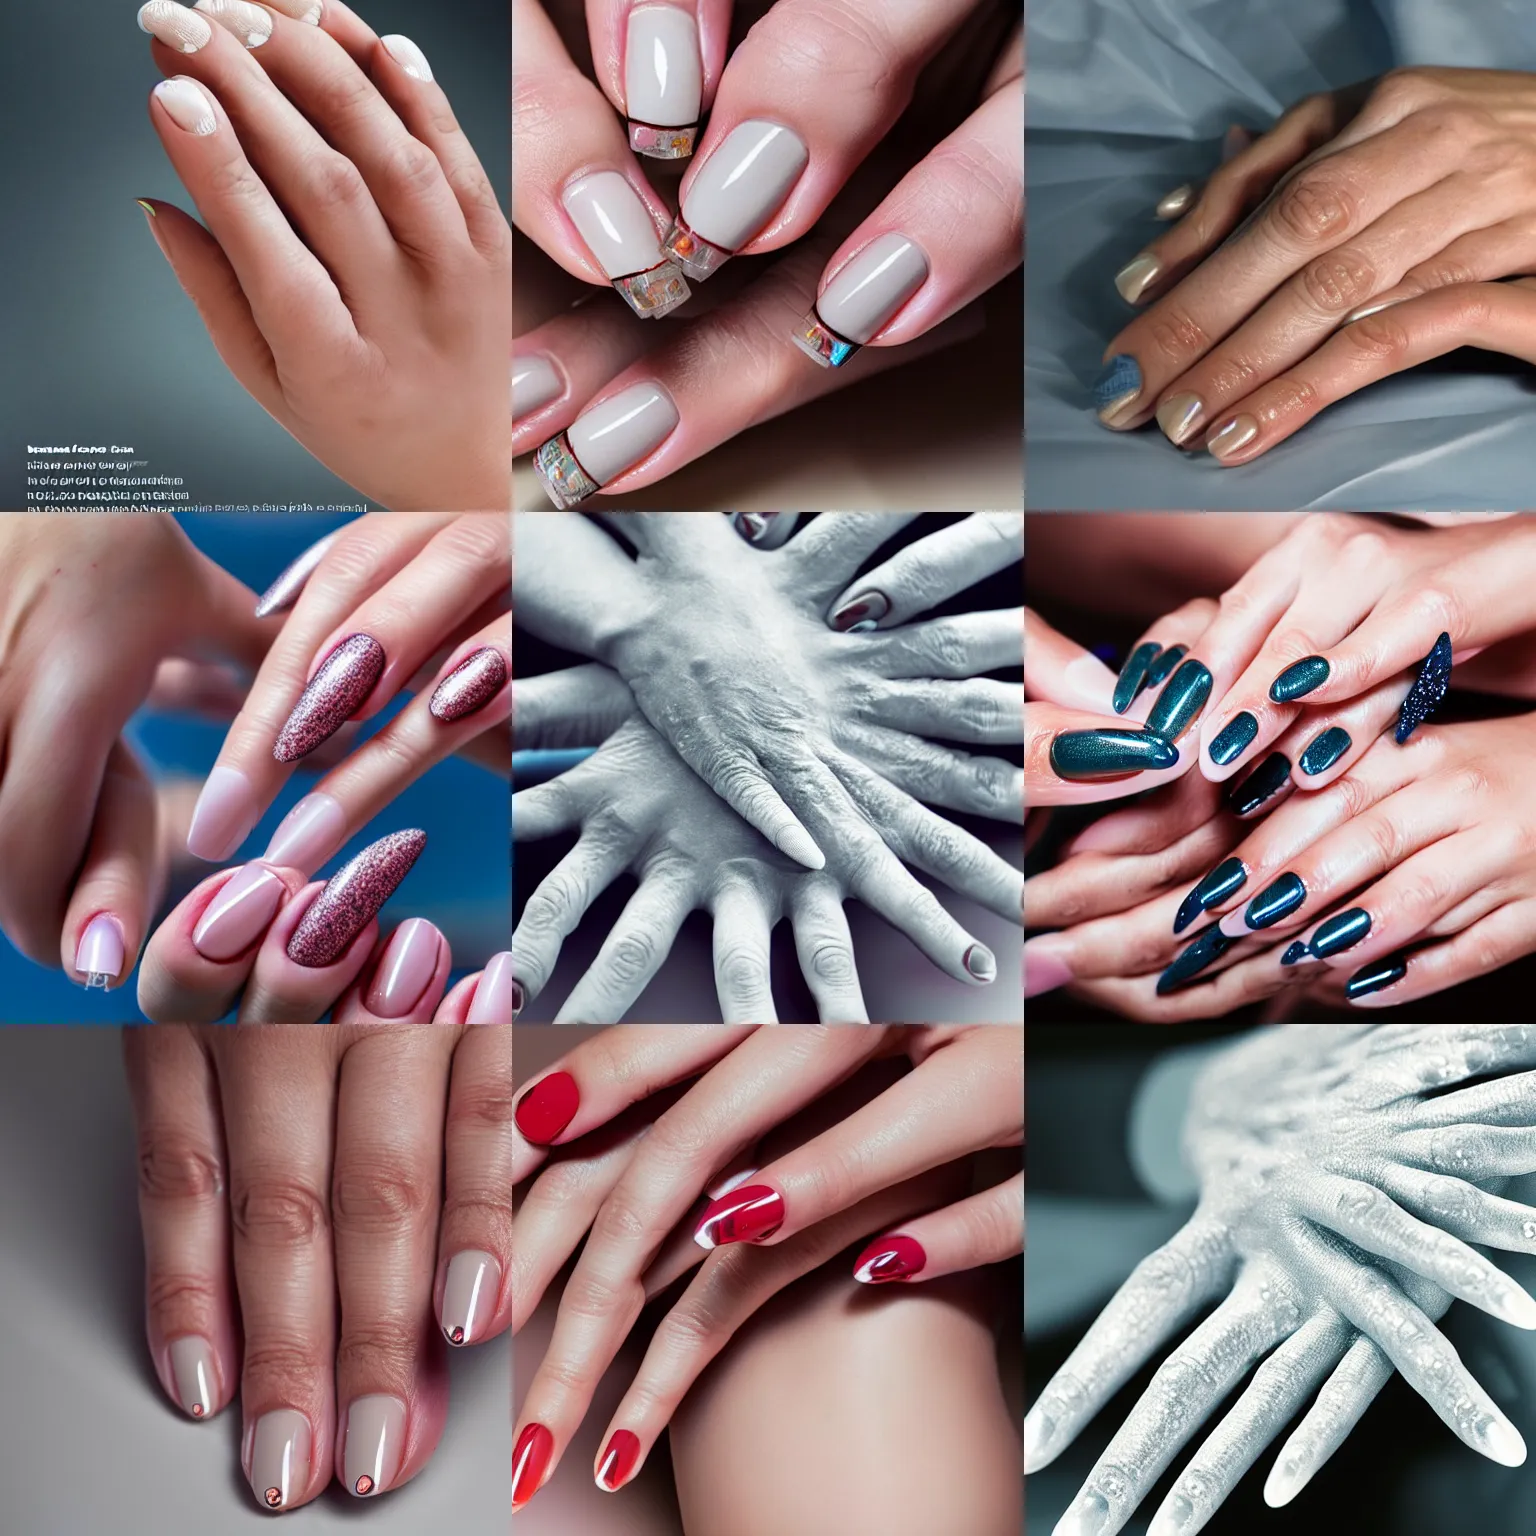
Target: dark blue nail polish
{"points": [[1086, 756], [1323, 752], [1340, 931], [1299, 679], [1376, 977], [1429, 688], [1180, 702], [1206, 950], [1164, 664], [1228, 876], [1133, 675], [1234, 738], [1119, 383], [1278, 899], [1263, 784], [1293, 953]]}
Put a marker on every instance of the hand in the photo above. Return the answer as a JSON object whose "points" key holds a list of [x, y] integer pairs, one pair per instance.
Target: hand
{"points": [[355, 272]]}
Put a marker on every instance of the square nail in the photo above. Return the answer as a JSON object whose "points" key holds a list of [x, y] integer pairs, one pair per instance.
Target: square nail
{"points": [[663, 81]]}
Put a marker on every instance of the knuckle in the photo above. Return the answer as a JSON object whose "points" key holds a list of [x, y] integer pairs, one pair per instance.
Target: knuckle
{"points": [[832, 961], [1338, 282], [946, 646], [333, 182], [1175, 334], [625, 1218], [1445, 607], [486, 1104], [961, 170], [1316, 208], [487, 1212], [839, 43], [377, 1350], [991, 1228], [590, 1296], [1354, 796], [278, 1212], [632, 956], [1378, 338], [177, 1298], [280, 1362], [1363, 549], [743, 969], [172, 1168], [1443, 271], [1403, 90], [379, 1198], [233, 181], [1387, 837]]}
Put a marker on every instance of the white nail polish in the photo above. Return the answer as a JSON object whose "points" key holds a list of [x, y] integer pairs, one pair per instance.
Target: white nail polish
{"points": [[663, 81], [604, 441], [189, 105], [1137, 276], [408, 56], [859, 301], [534, 384], [251, 24], [617, 227], [174, 25], [307, 11], [1504, 1443]]}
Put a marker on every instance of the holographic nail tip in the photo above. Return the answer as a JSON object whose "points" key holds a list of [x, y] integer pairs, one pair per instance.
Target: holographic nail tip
{"points": [[470, 686], [697, 257], [1429, 688], [655, 292], [352, 897], [565, 482], [335, 693], [662, 143], [821, 343]]}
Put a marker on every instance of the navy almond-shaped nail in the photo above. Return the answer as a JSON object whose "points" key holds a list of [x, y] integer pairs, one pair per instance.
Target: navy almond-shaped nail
{"points": [[1085, 756], [1133, 675], [1228, 876], [1178, 706], [1278, 899], [1429, 688], [1205, 951], [1340, 932], [1234, 738], [1299, 679], [1245, 796], [1376, 977], [1324, 751], [1295, 951]]}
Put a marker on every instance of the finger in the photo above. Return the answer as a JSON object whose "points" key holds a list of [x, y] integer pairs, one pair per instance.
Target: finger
{"points": [[1483, 255], [1462, 1209], [1204, 992], [963, 646], [574, 707], [765, 530], [1071, 758], [984, 1229], [1060, 671], [1489, 943], [741, 935], [558, 366], [545, 810], [980, 710], [402, 982], [831, 547], [824, 946], [632, 953], [958, 781]]}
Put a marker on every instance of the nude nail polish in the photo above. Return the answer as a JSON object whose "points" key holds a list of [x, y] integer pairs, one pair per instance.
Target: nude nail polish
{"points": [[530, 1461], [545, 1110], [663, 81], [861, 299], [177, 26], [470, 686], [1135, 277], [534, 384], [352, 898], [862, 612], [619, 1461], [408, 56], [333, 695], [250, 24], [492, 1002], [308, 835], [1175, 204], [890, 1258], [405, 969], [226, 811], [1179, 416], [307, 11], [616, 226], [470, 1289], [99, 954], [239, 914], [1233, 437], [191, 1362], [280, 1457], [292, 579], [373, 1444], [604, 441], [190, 107], [746, 1215]]}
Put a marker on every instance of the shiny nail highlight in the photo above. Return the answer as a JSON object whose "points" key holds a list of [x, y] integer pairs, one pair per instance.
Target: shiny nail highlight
{"points": [[1429, 688], [1117, 388], [1323, 752], [1133, 676], [1278, 899], [333, 695], [470, 1289], [1178, 706], [889, 1258], [1299, 679], [470, 686], [547, 1108], [1085, 757], [1234, 738], [1228, 877], [746, 1215], [1263, 784]]}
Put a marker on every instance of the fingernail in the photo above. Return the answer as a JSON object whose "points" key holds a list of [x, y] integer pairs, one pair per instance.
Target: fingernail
{"points": [[1039, 1439], [1133, 676], [530, 1461], [1117, 389], [1234, 738], [408, 56], [1278, 899], [1299, 679], [860, 301], [534, 384], [1294, 951], [1176, 203], [547, 1108], [1429, 688], [1135, 277], [746, 1215], [617, 228], [797, 844], [308, 11], [492, 1003], [1178, 706], [291, 581], [1376, 977], [189, 105], [1164, 663], [1087, 1517], [191, 1362], [374, 1444], [352, 897], [239, 914], [1504, 1443], [1173, 1518], [250, 23], [470, 1289], [604, 441], [280, 1452], [1233, 437], [1228, 876], [861, 612], [99, 954], [470, 686], [1375, 307], [733, 194], [981, 963], [1179, 415], [519, 997], [334, 694], [1283, 1483], [1045, 967], [1263, 784], [889, 1258], [1341, 932], [177, 27], [1322, 753], [619, 1460], [308, 835], [226, 811], [663, 81], [1205, 951], [1087, 757], [405, 969]]}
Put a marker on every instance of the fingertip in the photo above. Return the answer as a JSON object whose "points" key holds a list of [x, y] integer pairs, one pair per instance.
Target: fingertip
{"points": [[796, 843]]}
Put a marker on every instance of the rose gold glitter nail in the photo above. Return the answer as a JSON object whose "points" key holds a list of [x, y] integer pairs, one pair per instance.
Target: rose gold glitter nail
{"points": [[335, 692], [284, 592], [470, 686], [352, 896]]}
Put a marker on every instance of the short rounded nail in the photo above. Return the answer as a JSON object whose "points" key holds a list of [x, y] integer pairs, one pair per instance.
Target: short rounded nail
{"points": [[535, 382], [239, 914], [1136, 276], [250, 24], [192, 1371], [1175, 204], [177, 26], [373, 1445], [1324, 751], [1299, 679], [861, 612], [620, 1458], [1234, 738], [408, 56], [308, 835], [492, 1002], [981, 963], [100, 953], [1179, 416], [604, 441], [188, 105], [889, 1258], [405, 969], [547, 1108], [225, 813], [470, 686], [470, 1289], [1233, 437], [280, 1457], [530, 1461], [746, 1215]]}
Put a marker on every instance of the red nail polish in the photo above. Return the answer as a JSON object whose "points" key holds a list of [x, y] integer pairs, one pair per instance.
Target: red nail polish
{"points": [[547, 1108], [619, 1460], [530, 1461], [746, 1215], [889, 1258]]}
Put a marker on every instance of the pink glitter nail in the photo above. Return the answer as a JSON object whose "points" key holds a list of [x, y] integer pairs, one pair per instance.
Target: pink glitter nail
{"points": [[335, 692], [470, 686], [285, 591], [352, 897]]}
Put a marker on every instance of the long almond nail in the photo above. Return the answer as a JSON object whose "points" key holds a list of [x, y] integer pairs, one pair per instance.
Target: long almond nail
{"points": [[374, 1444], [191, 1362], [470, 686], [616, 225], [238, 915], [663, 81], [291, 580], [530, 1461], [280, 1457], [619, 1461], [861, 300], [408, 56], [308, 835], [251, 24], [99, 954], [190, 107], [352, 898], [470, 1289], [226, 811], [535, 383], [176, 26], [1233, 438], [405, 968], [605, 441], [746, 1215], [492, 1002], [334, 694]]}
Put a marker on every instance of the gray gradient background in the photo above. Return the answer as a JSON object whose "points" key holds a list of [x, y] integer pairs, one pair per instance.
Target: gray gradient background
{"points": [[100, 343], [88, 1442]]}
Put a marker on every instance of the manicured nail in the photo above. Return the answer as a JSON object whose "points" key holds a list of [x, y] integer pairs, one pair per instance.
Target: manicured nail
{"points": [[1045, 968], [1429, 688], [1262, 785], [535, 382], [530, 1460], [470, 1289], [470, 686], [1322, 753], [1278, 899], [1133, 675], [308, 835], [1233, 438], [981, 963], [1087, 1517], [1164, 663], [1135, 277], [408, 56], [1295, 951], [352, 898], [1039, 1438], [191, 1362], [1504, 1442], [547, 1108], [177, 27], [1179, 415], [1376, 977], [859, 302], [519, 997], [619, 231], [1299, 679], [492, 1002], [239, 914], [189, 105], [734, 193], [285, 591], [619, 1460], [226, 811], [604, 441], [861, 613], [308, 11], [663, 81], [1341, 932], [889, 1258], [1086, 757], [1176, 203], [374, 1444], [1178, 706], [99, 954], [1234, 738], [251, 24], [334, 694], [746, 1215], [1228, 876], [1117, 389], [405, 968], [1205, 951], [280, 1452]]}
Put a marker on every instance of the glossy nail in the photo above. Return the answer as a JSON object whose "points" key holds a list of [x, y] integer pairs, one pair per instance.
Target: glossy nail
{"points": [[251, 24], [1085, 757], [239, 914], [307, 11], [861, 613], [176, 26], [291, 580], [861, 300], [746, 1215], [308, 835], [1178, 706], [1087, 1517], [1135, 277], [99, 954], [405, 968], [602, 442], [1233, 438], [374, 1444], [1429, 688], [535, 382], [407, 55], [1263, 784], [1322, 753], [618, 229], [1295, 951], [1045, 965], [333, 695], [1117, 389], [980, 962], [226, 811], [1278, 899], [1228, 876], [1175, 204], [1234, 738], [470, 1289], [1164, 663], [619, 1460], [1340, 932], [189, 106], [191, 1362], [352, 898], [1133, 675], [547, 1108], [519, 997], [280, 1457], [1299, 679], [470, 686], [663, 81], [1205, 951], [530, 1461], [1376, 977], [889, 1258], [1179, 416], [492, 1002]]}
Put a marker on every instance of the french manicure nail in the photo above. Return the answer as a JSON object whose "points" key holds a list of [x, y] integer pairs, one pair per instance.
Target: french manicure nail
{"points": [[1117, 389], [861, 612], [374, 1444], [226, 811], [1087, 757], [1376, 977], [860, 301], [492, 1002], [1178, 706], [1179, 415], [1133, 675], [307, 11], [251, 24], [405, 968], [99, 954], [733, 194], [1135, 277], [530, 1461], [1340, 932], [1278, 899], [470, 686], [534, 384], [280, 1457], [1164, 663], [239, 914], [1247, 795], [470, 1289], [408, 56], [604, 441], [981, 963], [177, 27], [1190, 961], [1324, 751], [191, 1362], [547, 1108], [334, 694], [1429, 688], [308, 835], [189, 105], [291, 580], [352, 898], [1228, 876], [617, 227], [1233, 438], [1175, 204], [1045, 968], [619, 1460], [889, 1258], [1234, 738], [746, 1215], [663, 81], [1299, 679]]}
